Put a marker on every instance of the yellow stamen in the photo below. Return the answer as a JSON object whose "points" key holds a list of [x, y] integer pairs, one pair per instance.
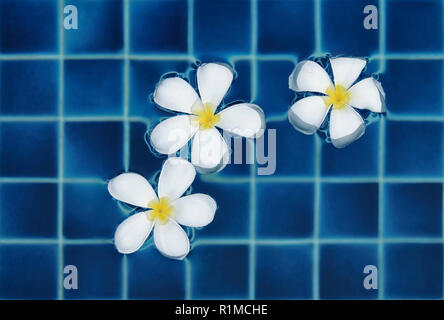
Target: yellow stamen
{"points": [[161, 211], [204, 116], [337, 96]]}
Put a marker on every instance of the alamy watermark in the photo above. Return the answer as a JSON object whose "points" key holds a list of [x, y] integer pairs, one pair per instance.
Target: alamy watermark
{"points": [[371, 20], [260, 149], [71, 280]]}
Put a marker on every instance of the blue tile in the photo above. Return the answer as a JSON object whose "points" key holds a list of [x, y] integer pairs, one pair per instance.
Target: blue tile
{"points": [[93, 87], [28, 26], [89, 211], [240, 89], [359, 158], [349, 210], [241, 157], [144, 75], [100, 27], [219, 272], [406, 214], [152, 276], [99, 271], [29, 88], [30, 272], [284, 272], [341, 271], [273, 94], [158, 26], [93, 149], [28, 149], [337, 38], [142, 160], [28, 210], [232, 215], [294, 153], [414, 26], [284, 211], [421, 76], [409, 146], [413, 271], [295, 36], [222, 27]]}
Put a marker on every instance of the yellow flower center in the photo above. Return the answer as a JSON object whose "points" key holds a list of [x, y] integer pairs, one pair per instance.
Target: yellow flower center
{"points": [[161, 211], [204, 116], [337, 96]]}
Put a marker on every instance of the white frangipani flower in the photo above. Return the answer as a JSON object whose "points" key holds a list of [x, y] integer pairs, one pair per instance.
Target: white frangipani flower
{"points": [[346, 125], [209, 151], [165, 210]]}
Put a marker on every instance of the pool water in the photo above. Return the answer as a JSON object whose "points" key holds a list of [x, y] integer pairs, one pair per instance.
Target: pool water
{"points": [[75, 106]]}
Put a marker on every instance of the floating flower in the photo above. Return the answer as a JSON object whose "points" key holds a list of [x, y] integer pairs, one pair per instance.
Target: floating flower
{"points": [[165, 210], [345, 125], [199, 119]]}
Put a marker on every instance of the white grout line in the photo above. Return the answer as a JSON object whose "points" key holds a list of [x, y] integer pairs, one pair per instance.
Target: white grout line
{"points": [[220, 241], [126, 125], [61, 135]]}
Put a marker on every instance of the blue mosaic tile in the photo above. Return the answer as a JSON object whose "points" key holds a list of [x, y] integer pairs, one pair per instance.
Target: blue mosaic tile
{"points": [[18, 210], [296, 36], [37, 262], [418, 20], [424, 76], [29, 88], [100, 27], [28, 149], [99, 270], [337, 38], [151, 276], [341, 271], [290, 267], [420, 276], [294, 150], [273, 94], [358, 159], [294, 219], [18, 31], [409, 146], [93, 87], [158, 26], [228, 266], [89, 211], [93, 149], [216, 20], [232, 216], [406, 215], [349, 210]]}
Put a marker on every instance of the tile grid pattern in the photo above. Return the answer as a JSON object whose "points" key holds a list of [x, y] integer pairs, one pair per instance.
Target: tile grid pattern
{"points": [[252, 241]]}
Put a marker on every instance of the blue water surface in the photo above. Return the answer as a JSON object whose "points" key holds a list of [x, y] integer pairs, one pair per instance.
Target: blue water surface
{"points": [[75, 106]]}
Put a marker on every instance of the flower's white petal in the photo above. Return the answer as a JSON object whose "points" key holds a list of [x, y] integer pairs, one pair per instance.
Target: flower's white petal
{"points": [[196, 210], [346, 70], [176, 94], [176, 176], [131, 234], [309, 76], [244, 119], [209, 151], [307, 114], [131, 188], [171, 240], [368, 94], [172, 134], [213, 80], [346, 126]]}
